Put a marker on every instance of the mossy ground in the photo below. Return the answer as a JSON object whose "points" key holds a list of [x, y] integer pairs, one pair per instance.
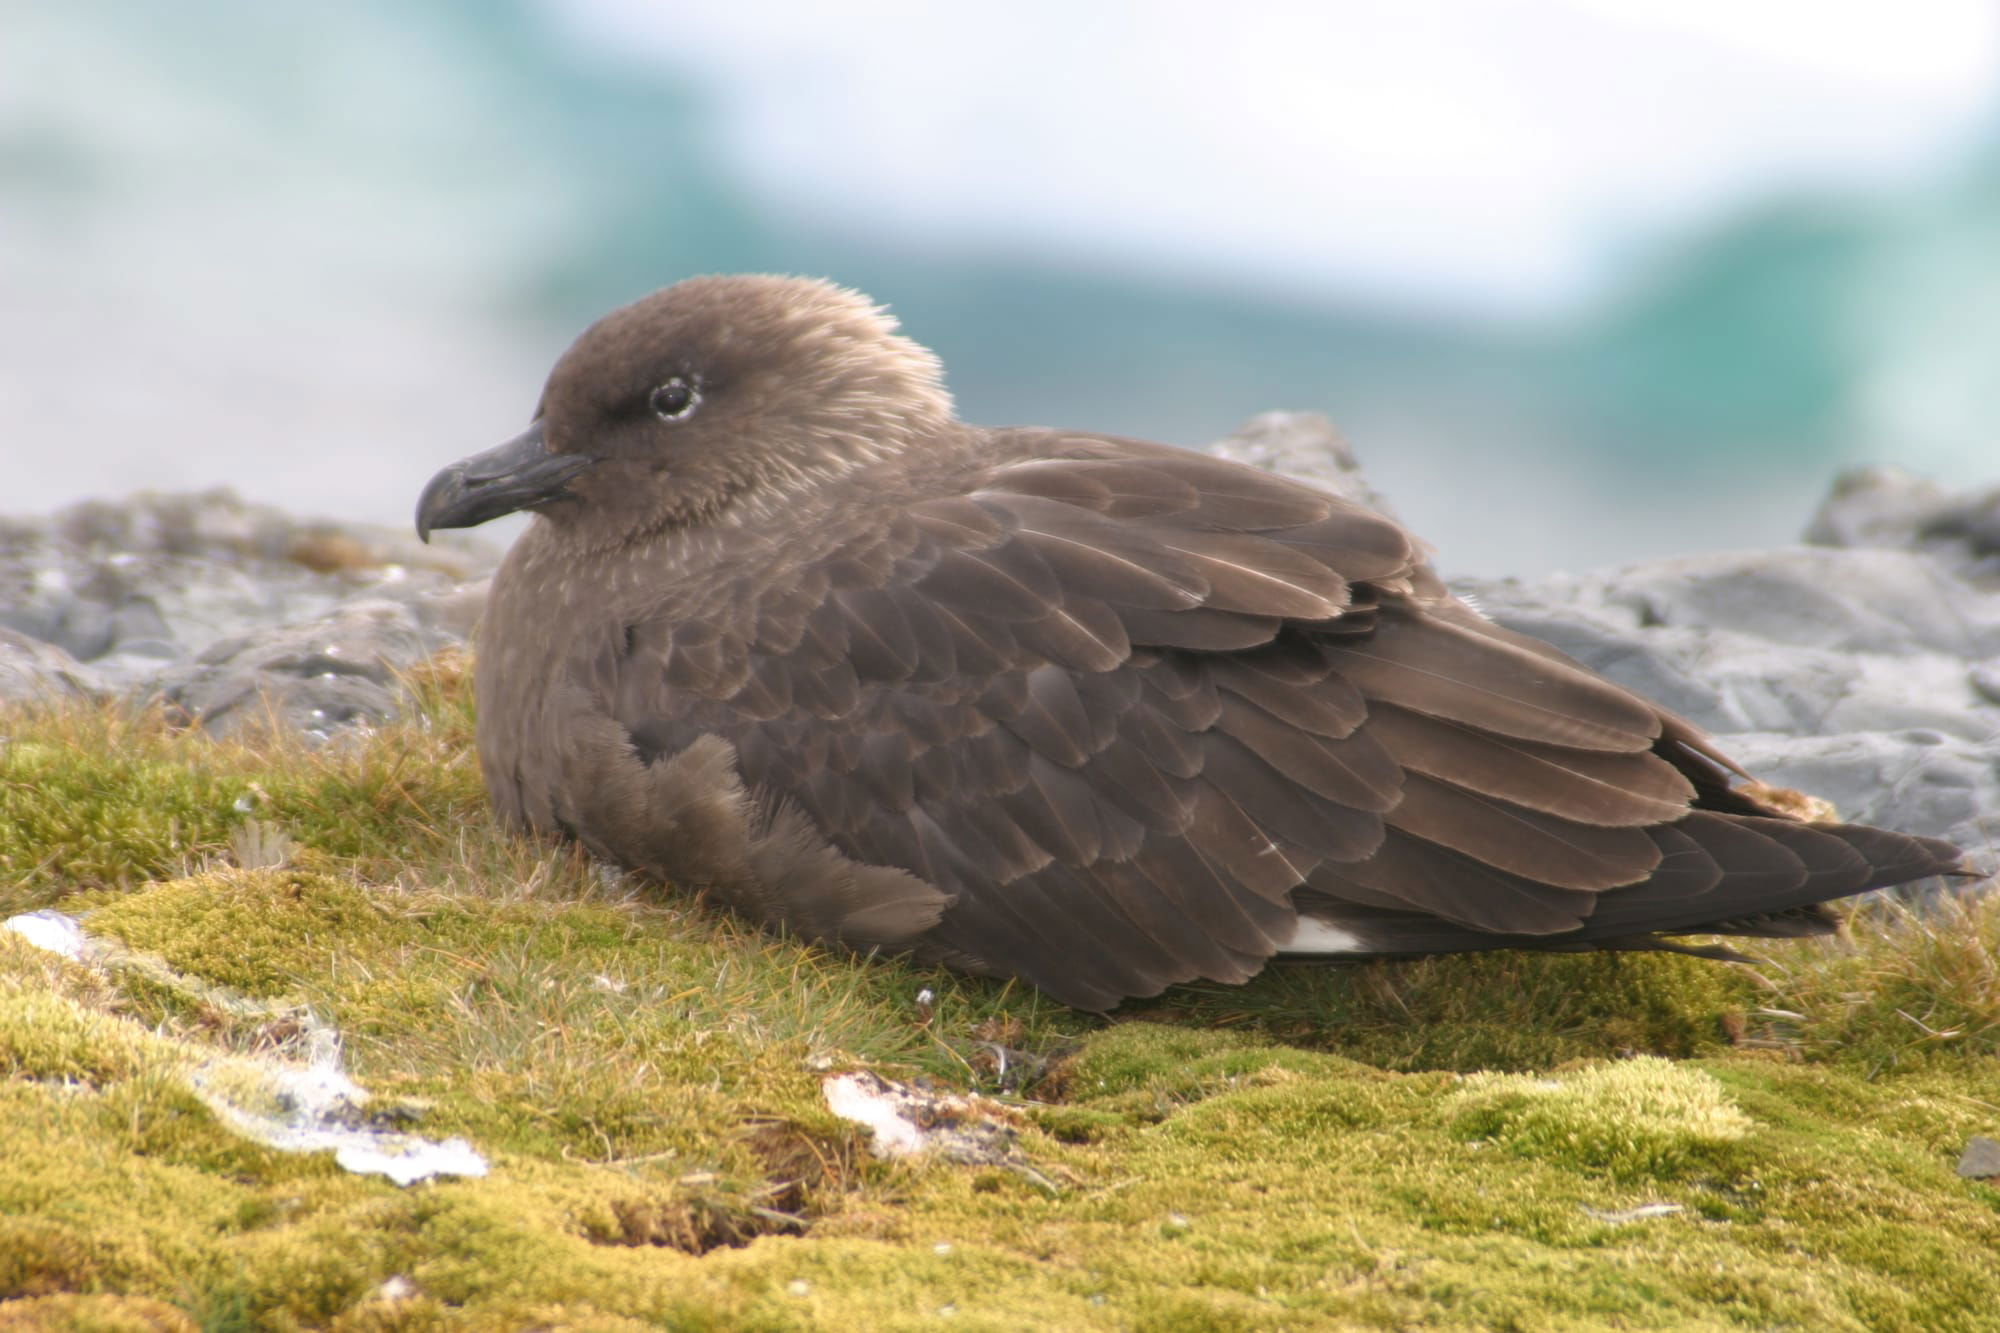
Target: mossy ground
{"points": [[1448, 1143]]}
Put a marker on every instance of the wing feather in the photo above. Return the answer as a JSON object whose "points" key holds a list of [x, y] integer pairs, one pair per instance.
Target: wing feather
{"points": [[1134, 710]]}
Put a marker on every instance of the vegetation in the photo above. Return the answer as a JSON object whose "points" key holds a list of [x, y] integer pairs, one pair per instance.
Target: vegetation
{"points": [[1504, 1141]]}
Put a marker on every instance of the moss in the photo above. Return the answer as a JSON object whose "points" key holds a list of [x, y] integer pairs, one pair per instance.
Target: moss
{"points": [[95, 1314], [260, 932], [1444, 1144], [81, 806], [1483, 1011], [44, 1036], [1639, 1118], [1150, 1070]]}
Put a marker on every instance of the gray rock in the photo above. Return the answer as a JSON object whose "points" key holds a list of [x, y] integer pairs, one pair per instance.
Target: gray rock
{"points": [[1860, 600], [136, 587], [34, 672], [1916, 781], [1985, 681], [341, 670], [1980, 1160], [1306, 446], [1876, 506], [1888, 507], [1860, 675]]}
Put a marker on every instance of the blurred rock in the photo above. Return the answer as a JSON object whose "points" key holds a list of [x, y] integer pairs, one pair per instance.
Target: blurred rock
{"points": [[1888, 507], [1305, 446], [137, 589], [32, 671], [1875, 506], [340, 670], [1981, 1159]]}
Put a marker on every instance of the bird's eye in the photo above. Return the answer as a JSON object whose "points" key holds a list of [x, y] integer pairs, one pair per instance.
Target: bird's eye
{"points": [[674, 399]]}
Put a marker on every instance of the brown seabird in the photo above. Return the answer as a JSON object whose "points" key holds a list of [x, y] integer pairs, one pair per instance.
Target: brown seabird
{"points": [[1094, 712]]}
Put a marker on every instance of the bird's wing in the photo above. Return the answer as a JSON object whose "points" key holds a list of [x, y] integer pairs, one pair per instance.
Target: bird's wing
{"points": [[1130, 707]]}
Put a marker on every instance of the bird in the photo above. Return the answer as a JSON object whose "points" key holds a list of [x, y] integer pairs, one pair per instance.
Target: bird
{"points": [[1100, 714]]}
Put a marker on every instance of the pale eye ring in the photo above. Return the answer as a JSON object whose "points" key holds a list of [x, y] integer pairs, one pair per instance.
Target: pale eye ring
{"points": [[675, 399]]}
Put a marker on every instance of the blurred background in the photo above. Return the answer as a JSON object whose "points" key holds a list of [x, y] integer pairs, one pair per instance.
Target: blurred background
{"points": [[1584, 281]]}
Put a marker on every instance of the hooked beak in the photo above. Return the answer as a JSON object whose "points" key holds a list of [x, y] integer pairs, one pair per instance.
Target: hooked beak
{"points": [[520, 474]]}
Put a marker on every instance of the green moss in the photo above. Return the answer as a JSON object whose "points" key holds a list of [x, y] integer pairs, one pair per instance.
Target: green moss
{"points": [[84, 809], [1150, 1070], [96, 1314], [260, 932], [111, 798], [1319, 1148], [45, 1037], [1640, 1118], [1483, 1011]]}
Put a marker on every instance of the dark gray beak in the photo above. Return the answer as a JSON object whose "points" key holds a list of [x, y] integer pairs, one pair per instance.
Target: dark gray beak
{"points": [[520, 474]]}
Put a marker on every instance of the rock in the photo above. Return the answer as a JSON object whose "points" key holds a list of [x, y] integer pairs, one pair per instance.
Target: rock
{"points": [[1858, 600], [339, 670], [1981, 1159], [139, 592], [1876, 506], [1852, 674], [1915, 781], [1306, 446], [32, 671], [1888, 507], [1985, 681], [1976, 521], [1838, 640]]}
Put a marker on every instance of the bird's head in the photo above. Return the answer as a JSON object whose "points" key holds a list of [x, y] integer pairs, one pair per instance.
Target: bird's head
{"points": [[695, 402]]}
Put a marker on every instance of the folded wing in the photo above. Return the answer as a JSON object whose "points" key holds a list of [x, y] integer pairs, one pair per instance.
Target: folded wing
{"points": [[1145, 716]]}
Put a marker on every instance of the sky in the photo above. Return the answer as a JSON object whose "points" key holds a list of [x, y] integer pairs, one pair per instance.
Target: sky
{"points": [[1494, 155]]}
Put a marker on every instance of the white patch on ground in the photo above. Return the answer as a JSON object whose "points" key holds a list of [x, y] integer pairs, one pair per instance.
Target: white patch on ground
{"points": [[302, 1105], [52, 931], [887, 1110], [316, 1107], [1644, 1212], [1313, 936], [913, 1122]]}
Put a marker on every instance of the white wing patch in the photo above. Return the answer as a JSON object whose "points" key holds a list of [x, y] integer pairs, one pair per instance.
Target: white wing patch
{"points": [[1312, 936]]}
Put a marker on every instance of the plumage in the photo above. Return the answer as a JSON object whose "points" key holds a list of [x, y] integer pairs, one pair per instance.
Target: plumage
{"points": [[1088, 711]]}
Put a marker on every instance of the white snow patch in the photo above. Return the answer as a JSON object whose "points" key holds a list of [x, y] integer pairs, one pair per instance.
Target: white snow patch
{"points": [[54, 931], [309, 1106]]}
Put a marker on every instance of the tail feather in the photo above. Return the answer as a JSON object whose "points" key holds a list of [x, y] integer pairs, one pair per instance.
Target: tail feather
{"points": [[1757, 876]]}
